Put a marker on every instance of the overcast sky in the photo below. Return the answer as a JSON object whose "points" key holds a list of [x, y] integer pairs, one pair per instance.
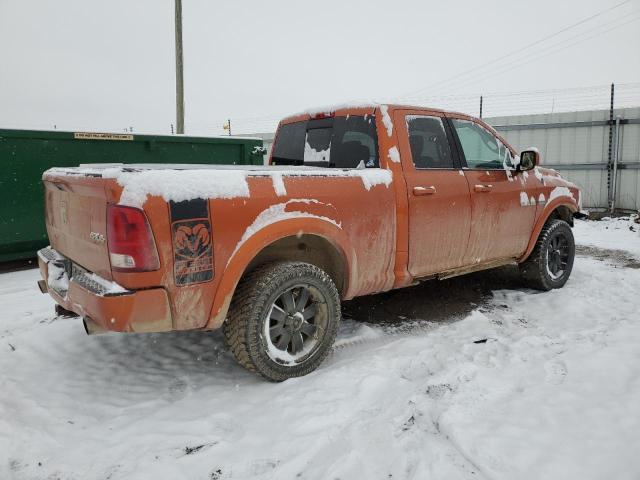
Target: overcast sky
{"points": [[107, 65]]}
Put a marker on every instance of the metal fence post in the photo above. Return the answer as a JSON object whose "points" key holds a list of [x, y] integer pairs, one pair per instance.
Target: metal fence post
{"points": [[610, 153], [616, 155]]}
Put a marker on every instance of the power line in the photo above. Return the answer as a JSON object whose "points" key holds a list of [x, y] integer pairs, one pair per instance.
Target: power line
{"points": [[542, 54], [580, 92], [594, 96], [597, 88], [518, 50]]}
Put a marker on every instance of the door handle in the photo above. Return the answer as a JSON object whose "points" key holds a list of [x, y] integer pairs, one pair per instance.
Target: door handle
{"points": [[420, 191], [483, 188]]}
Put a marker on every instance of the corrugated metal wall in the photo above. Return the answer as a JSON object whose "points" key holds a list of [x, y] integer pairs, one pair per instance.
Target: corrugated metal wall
{"points": [[577, 145], [628, 189]]}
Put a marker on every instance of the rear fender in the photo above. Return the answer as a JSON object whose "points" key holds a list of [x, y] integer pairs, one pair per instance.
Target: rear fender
{"points": [[250, 248]]}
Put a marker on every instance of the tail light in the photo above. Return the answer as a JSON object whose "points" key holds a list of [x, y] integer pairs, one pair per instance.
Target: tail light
{"points": [[130, 240]]}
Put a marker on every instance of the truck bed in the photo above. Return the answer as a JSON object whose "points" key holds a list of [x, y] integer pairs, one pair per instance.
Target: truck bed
{"points": [[246, 208]]}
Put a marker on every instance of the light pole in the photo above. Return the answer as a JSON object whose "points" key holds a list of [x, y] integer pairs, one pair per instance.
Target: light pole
{"points": [[179, 72]]}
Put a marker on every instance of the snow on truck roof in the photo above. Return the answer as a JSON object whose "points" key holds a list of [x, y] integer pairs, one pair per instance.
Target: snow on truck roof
{"points": [[312, 112]]}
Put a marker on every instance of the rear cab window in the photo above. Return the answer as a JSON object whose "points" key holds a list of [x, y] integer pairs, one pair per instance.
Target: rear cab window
{"points": [[340, 142]]}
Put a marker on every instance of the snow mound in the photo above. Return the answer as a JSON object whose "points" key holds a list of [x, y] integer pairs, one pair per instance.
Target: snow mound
{"points": [[610, 233]]}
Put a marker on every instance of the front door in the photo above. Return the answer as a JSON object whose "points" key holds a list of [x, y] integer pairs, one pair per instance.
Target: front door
{"points": [[438, 194], [502, 210]]}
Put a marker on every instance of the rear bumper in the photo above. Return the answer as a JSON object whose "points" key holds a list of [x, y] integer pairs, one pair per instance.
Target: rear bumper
{"points": [[101, 301]]}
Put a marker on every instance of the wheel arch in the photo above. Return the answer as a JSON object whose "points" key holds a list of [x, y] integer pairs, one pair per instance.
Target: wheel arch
{"points": [[561, 212], [558, 209], [306, 247], [315, 241]]}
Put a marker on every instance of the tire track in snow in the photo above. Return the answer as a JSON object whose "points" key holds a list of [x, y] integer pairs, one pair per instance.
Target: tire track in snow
{"points": [[354, 334], [484, 300]]}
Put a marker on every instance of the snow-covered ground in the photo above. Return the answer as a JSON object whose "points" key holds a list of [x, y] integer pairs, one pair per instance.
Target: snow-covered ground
{"points": [[611, 233], [525, 385]]}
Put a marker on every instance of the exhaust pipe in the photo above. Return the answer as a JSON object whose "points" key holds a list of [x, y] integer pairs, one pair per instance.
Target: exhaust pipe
{"points": [[63, 312], [92, 328]]}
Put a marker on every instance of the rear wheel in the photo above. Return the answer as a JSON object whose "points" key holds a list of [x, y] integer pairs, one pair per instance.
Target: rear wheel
{"points": [[283, 320], [549, 265]]}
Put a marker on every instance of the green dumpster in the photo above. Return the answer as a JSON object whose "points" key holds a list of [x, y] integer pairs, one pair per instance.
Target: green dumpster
{"points": [[25, 154]]}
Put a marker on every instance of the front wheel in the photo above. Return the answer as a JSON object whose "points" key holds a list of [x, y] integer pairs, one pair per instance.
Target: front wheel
{"points": [[549, 265], [283, 320]]}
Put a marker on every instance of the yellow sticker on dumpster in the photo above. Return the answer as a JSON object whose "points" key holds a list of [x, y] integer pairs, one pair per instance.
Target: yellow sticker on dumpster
{"points": [[101, 136]]}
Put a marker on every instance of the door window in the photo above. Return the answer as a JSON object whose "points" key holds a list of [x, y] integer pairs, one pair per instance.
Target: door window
{"points": [[428, 140], [481, 148], [354, 142]]}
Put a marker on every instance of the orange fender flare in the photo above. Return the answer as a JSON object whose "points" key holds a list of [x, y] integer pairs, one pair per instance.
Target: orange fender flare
{"points": [[264, 237], [549, 208]]}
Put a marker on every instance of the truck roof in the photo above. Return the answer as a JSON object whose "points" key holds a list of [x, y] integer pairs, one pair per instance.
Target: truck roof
{"points": [[367, 107]]}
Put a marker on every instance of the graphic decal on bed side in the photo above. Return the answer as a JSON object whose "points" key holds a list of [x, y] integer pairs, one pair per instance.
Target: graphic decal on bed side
{"points": [[191, 236]]}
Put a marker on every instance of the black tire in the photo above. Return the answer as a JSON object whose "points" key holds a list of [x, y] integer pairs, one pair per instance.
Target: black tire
{"points": [[549, 265], [260, 296]]}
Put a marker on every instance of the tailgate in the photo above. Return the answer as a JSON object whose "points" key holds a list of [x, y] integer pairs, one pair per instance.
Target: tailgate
{"points": [[76, 218]]}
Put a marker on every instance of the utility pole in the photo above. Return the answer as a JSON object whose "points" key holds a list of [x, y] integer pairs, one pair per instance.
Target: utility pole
{"points": [[179, 72], [480, 106]]}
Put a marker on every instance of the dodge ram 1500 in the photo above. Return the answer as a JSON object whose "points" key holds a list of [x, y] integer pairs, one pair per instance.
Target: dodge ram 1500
{"points": [[355, 200]]}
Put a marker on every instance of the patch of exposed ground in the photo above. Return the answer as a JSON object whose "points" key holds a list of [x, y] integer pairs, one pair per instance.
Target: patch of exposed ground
{"points": [[618, 258]]}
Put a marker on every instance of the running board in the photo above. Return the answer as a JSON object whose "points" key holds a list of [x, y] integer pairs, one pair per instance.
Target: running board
{"points": [[476, 268]]}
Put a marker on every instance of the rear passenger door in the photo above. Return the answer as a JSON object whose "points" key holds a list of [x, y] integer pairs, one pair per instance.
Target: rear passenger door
{"points": [[438, 194], [502, 212]]}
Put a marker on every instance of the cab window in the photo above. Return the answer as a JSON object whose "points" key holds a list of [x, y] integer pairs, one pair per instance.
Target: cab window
{"points": [[482, 150], [289, 143], [428, 141], [340, 142]]}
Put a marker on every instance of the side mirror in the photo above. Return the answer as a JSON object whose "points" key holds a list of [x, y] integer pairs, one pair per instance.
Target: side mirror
{"points": [[529, 159]]}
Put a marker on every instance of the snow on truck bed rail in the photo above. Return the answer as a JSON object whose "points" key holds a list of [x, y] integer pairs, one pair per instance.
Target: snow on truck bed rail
{"points": [[185, 182]]}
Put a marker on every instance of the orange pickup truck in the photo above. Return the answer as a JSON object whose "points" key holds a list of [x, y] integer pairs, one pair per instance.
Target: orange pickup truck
{"points": [[355, 200]]}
